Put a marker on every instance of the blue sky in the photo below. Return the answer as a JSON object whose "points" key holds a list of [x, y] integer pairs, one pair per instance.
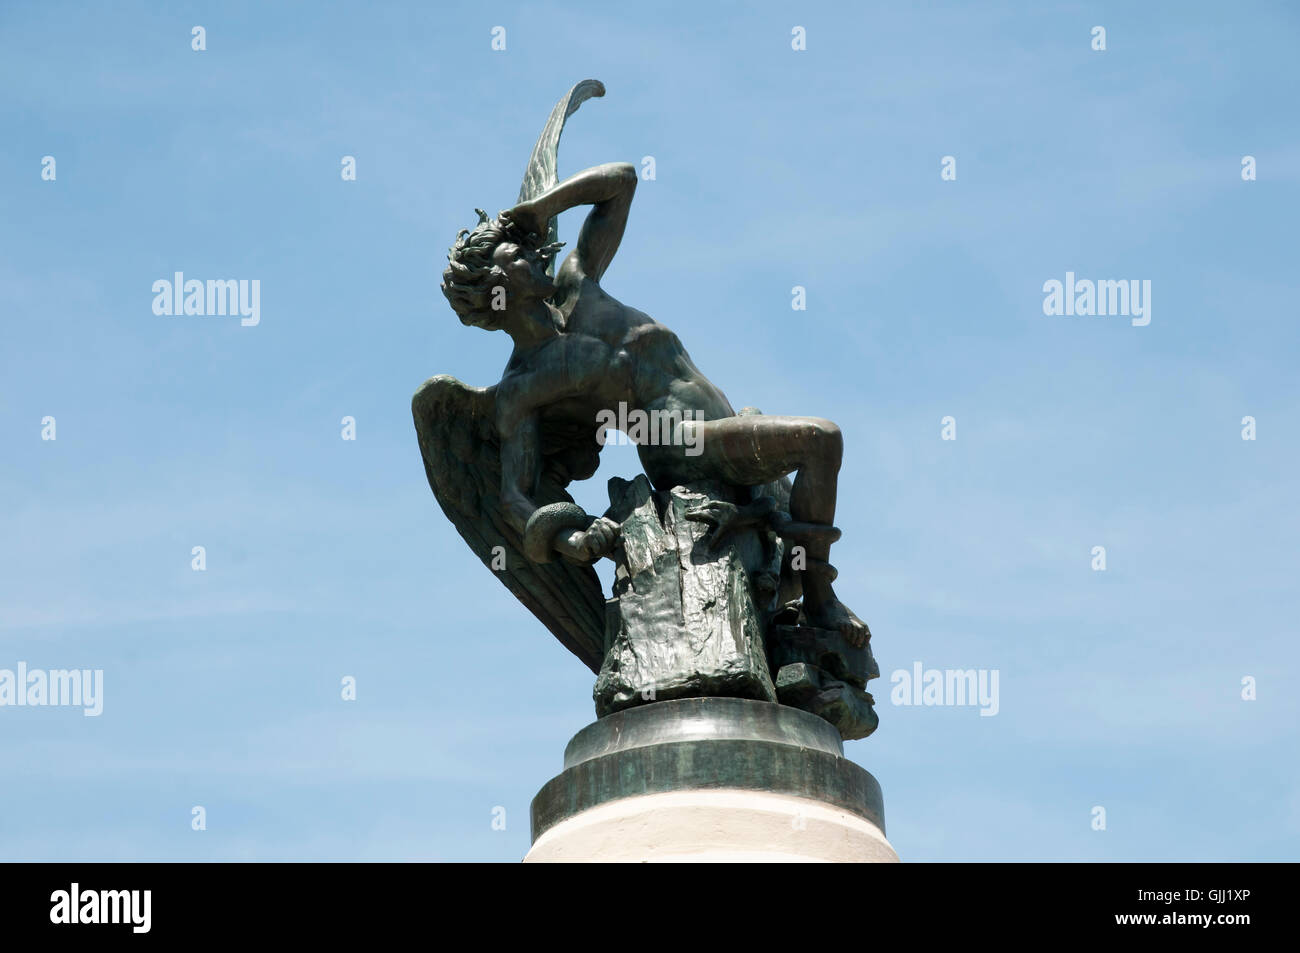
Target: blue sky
{"points": [[821, 168]]}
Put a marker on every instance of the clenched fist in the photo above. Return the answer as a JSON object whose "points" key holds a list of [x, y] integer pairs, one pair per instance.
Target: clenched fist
{"points": [[587, 546]]}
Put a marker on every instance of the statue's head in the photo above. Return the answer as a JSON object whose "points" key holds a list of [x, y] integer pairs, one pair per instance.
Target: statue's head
{"points": [[496, 255]]}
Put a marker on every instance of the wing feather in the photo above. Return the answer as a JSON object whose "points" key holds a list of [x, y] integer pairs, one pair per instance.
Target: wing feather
{"points": [[462, 460]]}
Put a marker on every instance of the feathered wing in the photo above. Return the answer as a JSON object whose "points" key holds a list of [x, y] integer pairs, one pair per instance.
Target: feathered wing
{"points": [[462, 459]]}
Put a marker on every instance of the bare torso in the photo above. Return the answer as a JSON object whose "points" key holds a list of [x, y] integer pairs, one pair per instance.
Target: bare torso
{"points": [[611, 357]]}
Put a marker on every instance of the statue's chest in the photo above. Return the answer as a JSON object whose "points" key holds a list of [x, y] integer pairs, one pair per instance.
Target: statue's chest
{"points": [[573, 372], [583, 366]]}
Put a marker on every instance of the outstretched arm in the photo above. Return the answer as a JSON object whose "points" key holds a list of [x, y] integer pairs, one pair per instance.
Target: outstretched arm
{"points": [[609, 189]]}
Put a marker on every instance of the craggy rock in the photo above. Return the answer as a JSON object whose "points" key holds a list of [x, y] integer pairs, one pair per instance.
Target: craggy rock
{"points": [[683, 621]]}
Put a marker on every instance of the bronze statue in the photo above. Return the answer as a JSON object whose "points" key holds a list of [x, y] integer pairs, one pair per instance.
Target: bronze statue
{"points": [[499, 458]]}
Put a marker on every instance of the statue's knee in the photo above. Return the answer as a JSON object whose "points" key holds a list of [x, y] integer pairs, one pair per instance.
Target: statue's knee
{"points": [[828, 438]]}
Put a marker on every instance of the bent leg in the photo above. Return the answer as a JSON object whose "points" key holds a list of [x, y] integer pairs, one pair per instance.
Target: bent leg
{"points": [[754, 449], [751, 450]]}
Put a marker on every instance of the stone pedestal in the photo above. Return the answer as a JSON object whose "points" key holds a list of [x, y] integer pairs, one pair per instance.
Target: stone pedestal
{"points": [[709, 779]]}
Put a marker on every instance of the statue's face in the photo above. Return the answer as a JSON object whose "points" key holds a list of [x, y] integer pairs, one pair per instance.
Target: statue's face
{"points": [[525, 269]]}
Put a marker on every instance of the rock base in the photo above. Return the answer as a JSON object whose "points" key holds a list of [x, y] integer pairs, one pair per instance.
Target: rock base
{"points": [[683, 620], [819, 672]]}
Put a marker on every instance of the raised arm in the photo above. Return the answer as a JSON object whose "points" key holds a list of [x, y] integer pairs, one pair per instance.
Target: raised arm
{"points": [[609, 188]]}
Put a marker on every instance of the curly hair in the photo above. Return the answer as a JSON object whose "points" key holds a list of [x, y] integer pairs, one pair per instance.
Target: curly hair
{"points": [[471, 274]]}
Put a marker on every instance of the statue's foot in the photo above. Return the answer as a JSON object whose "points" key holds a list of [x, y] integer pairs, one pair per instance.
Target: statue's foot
{"points": [[836, 616]]}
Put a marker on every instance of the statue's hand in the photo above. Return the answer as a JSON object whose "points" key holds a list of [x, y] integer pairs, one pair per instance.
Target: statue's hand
{"points": [[589, 545], [523, 218]]}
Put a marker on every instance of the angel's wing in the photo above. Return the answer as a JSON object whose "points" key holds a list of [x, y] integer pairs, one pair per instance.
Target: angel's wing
{"points": [[462, 459], [543, 165]]}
